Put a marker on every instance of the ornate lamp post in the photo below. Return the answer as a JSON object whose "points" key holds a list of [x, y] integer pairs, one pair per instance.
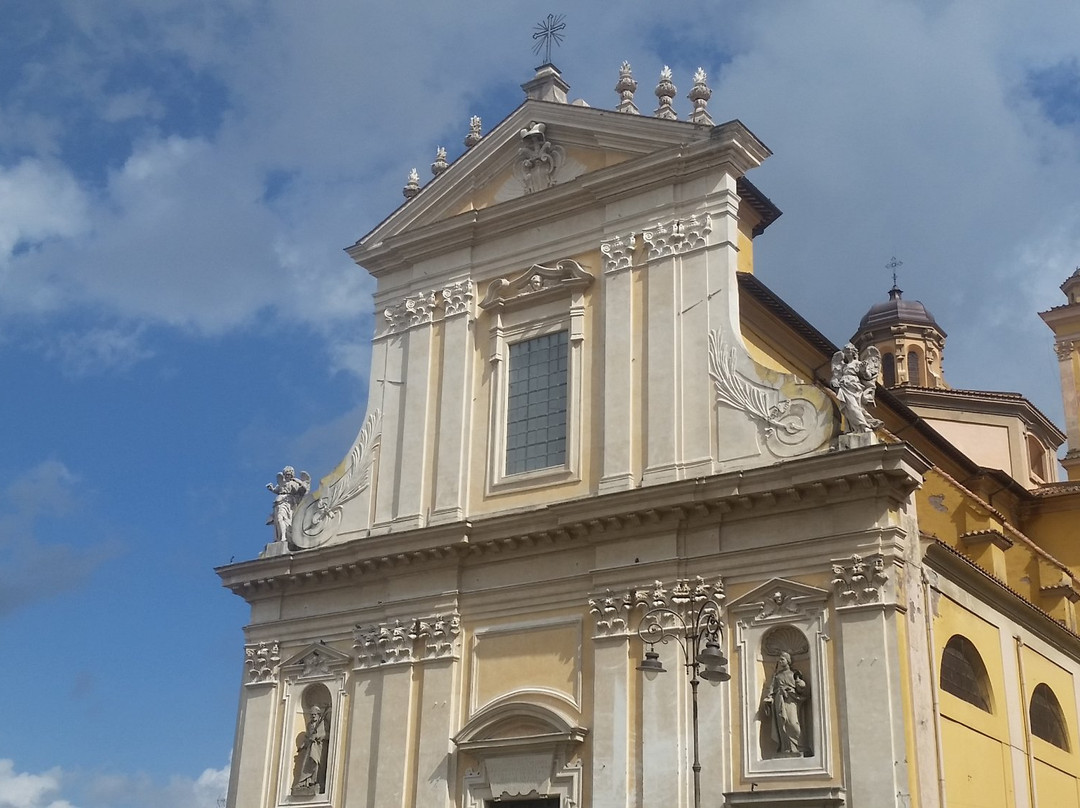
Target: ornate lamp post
{"points": [[691, 617]]}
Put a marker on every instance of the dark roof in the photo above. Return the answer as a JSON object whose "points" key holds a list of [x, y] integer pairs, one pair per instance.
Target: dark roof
{"points": [[895, 311]]}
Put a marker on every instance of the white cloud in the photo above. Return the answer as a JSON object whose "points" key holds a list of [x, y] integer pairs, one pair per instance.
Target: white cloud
{"points": [[38, 202], [25, 790], [139, 790], [98, 350], [54, 789]]}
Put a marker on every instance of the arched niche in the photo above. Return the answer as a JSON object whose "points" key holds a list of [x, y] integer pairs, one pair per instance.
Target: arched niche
{"points": [[311, 722], [783, 617], [521, 747]]}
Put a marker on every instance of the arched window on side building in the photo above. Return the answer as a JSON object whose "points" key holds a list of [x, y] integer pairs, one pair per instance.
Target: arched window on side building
{"points": [[963, 673], [1047, 719]]}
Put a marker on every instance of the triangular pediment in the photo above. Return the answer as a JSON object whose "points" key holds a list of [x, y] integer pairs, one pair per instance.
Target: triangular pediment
{"points": [[316, 660], [565, 145], [779, 599]]}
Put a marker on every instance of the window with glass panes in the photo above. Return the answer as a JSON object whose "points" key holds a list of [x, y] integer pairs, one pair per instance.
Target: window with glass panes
{"points": [[536, 403]]}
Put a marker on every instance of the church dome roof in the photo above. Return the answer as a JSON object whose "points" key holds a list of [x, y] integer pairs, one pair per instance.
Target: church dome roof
{"points": [[895, 311]]}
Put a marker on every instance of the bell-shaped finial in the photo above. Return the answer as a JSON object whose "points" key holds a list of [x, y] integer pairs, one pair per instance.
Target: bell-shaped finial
{"points": [[412, 187], [440, 165], [474, 135], [665, 91], [626, 87], [699, 96]]}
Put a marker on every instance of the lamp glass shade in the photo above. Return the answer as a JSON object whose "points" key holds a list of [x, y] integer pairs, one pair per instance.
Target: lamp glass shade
{"points": [[651, 665]]}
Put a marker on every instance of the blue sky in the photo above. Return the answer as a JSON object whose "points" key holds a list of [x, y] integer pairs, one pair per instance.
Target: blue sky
{"points": [[178, 319]]}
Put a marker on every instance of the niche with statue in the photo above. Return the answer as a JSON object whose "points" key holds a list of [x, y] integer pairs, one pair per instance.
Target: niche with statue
{"points": [[781, 639]]}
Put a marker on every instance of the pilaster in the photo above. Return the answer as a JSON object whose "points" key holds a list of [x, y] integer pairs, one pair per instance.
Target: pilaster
{"points": [[455, 396], [620, 438]]}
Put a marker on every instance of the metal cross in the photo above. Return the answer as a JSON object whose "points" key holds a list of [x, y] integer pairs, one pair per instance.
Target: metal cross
{"points": [[548, 31], [894, 265]]}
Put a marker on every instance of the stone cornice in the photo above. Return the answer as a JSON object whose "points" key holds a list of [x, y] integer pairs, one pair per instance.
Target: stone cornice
{"points": [[883, 470]]}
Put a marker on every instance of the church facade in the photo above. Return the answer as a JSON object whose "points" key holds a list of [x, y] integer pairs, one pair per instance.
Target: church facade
{"points": [[599, 448]]}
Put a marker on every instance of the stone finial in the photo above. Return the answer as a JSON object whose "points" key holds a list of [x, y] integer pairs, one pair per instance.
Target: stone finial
{"points": [[699, 96], [440, 165], [412, 187], [665, 91], [626, 87], [474, 135]]}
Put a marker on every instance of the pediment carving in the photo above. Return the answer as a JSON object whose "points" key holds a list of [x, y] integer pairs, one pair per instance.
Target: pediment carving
{"points": [[779, 601], [316, 661], [536, 283]]}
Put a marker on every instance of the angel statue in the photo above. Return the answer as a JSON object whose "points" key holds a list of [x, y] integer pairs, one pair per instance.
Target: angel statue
{"points": [[854, 378], [288, 492]]}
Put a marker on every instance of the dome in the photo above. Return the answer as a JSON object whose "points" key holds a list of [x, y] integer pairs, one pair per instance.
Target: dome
{"points": [[895, 311]]}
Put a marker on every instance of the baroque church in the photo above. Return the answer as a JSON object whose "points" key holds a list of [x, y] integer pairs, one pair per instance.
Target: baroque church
{"points": [[621, 529]]}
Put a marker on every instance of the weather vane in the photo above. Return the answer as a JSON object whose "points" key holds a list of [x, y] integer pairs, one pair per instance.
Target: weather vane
{"points": [[894, 265], [548, 31]]}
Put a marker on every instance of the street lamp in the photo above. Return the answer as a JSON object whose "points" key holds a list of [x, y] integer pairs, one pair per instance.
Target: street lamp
{"points": [[691, 617]]}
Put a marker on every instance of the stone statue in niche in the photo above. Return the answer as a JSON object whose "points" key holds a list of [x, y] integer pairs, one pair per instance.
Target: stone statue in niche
{"points": [[309, 765], [784, 705], [538, 159], [854, 379], [288, 492]]}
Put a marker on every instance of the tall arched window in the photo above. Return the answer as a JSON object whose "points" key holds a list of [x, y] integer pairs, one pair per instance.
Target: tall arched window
{"points": [[963, 673], [1047, 719], [914, 372], [888, 369]]}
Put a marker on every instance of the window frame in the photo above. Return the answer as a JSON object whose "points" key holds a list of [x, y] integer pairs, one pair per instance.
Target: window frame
{"points": [[1053, 708], [967, 651], [541, 301], [559, 378]]}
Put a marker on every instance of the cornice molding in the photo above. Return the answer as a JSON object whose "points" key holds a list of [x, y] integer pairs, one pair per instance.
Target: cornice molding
{"points": [[882, 470]]}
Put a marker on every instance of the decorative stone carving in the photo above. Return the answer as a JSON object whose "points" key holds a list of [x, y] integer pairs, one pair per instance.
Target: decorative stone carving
{"points": [[1064, 349], [612, 611], [734, 389], [855, 378], [859, 580], [618, 252], [699, 96], [678, 235], [261, 661], [420, 639], [412, 311], [474, 135], [412, 187], [321, 511], [538, 160], [288, 492], [440, 165], [457, 298], [436, 636], [537, 281], [684, 593], [315, 664], [665, 92], [626, 87]]}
